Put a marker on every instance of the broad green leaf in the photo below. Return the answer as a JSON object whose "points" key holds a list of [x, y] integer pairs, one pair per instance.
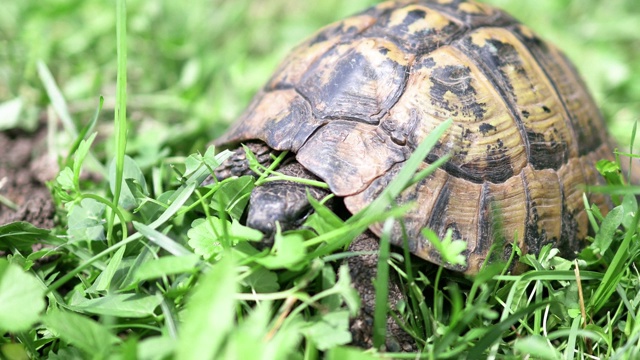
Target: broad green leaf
{"points": [[238, 231], [538, 347], [21, 298], [251, 331], [608, 228], [322, 220], [156, 347], [610, 171], [262, 280], [329, 330], [22, 236], [10, 115], [329, 278], [347, 291], [120, 305], [210, 313], [67, 352], [349, 353], [167, 265], [130, 171], [195, 161], [267, 344], [203, 237], [86, 221], [105, 278], [205, 234], [80, 154], [66, 179], [88, 335], [14, 351], [192, 163], [450, 249], [234, 194], [287, 252], [630, 206]]}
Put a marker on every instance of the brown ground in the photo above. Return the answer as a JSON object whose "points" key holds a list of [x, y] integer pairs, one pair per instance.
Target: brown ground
{"points": [[363, 269], [24, 168]]}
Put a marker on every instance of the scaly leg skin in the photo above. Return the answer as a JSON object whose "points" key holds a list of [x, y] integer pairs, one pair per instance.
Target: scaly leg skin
{"points": [[363, 270], [238, 165]]}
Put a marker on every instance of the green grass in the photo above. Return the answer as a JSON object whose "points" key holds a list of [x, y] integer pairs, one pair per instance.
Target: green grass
{"points": [[137, 272]]}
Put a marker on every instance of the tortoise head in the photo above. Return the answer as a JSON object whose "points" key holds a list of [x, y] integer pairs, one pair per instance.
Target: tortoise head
{"points": [[284, 202]]}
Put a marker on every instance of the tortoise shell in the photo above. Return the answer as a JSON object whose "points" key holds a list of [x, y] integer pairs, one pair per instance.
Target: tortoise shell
{"points": [[355, 99]]}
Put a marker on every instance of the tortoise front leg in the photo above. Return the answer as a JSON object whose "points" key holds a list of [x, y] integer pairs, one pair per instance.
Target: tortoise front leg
{"points": [[238, 165]]}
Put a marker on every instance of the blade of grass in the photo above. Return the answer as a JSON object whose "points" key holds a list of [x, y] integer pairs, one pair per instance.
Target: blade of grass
{"points": [[497, 331], [633, 140], [112, 267], [162, 240], [381, 286], [121, 107], [615, 271], [57, 99], [84, 131]]}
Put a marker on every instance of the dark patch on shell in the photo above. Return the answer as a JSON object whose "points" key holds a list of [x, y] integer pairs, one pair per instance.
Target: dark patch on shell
{"points": [[456, 79], [534, 236], [413, 16], [546, 154], [569, 244], [321, 37], [485, 128], [427, 62], [497, 161], [497, 56], [485, 220], [411, 40], [440, 209]]}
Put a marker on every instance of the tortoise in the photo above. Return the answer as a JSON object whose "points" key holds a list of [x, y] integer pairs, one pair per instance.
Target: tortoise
{"points": [[355, 99]]}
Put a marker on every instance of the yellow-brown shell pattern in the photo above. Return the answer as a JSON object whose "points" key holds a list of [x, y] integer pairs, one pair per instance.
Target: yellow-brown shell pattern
{"points": [[357, 97]]}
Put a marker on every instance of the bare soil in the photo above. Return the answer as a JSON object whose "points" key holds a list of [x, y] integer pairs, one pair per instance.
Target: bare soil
{"points": [[24, 169]]}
